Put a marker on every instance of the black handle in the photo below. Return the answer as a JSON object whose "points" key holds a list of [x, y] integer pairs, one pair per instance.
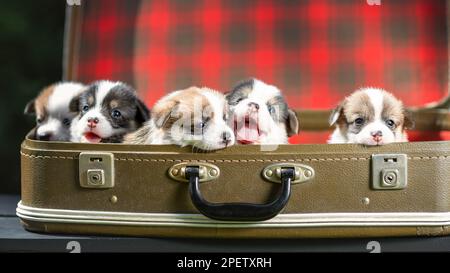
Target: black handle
{"points": [[239, 211]]}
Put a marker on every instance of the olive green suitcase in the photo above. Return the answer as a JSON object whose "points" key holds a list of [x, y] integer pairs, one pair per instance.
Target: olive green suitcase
{"points": [[248, 191], [312, 190]]}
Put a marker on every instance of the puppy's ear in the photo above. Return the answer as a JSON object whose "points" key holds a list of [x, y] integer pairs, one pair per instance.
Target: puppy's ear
{"points": [[74, 105], [408, 122], [227, 96], [30, 109], [292, 124], [336, 114], [162, 113], [142, 112]]}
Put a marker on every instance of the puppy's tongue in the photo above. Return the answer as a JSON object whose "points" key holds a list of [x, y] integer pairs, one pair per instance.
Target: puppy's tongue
{"points": [[248, 133], [92, 138]]}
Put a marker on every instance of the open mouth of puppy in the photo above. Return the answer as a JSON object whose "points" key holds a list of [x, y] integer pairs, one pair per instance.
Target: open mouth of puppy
{"points": [[92, 137], [247, 129]]}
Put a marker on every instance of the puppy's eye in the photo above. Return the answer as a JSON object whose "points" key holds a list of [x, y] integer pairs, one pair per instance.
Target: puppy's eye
{"points": [[66, 122], [197, 128], [390, 123], [359, 121], [85, 108], [239, 100], [116, 114], [39, 120], [200, 125], [271, 109]]}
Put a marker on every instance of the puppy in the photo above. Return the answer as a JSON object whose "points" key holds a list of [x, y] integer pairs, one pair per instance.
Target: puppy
{"points": [[370, 116], [106, 112], [193, 116], [53, 114], [260, 115]]}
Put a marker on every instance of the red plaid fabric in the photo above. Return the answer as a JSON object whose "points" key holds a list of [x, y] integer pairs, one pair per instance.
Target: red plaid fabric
{"points": [[315, 51]]}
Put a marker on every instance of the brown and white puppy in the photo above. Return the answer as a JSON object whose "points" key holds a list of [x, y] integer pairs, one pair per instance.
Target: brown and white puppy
{"points": [[259, 114], [106, 112], [53, 114], [370, 116], [190, 117]]}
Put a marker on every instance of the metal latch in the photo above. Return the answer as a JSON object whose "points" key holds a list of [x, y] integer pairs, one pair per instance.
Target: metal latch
{"points": [[96, 170], [207, 172], [303, 173], [389, 171]]}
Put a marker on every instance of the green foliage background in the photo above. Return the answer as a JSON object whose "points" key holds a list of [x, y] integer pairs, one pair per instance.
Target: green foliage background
{"points": [[31, 44]]}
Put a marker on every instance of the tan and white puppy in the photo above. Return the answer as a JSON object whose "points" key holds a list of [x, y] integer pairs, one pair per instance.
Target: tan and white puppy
{"points": [[106, 112], [190, 117], [53, 114], [370, 116], [260, 115]]}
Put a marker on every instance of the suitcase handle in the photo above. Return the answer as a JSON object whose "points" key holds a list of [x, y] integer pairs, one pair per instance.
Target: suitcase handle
{"points": [[239, 211]]}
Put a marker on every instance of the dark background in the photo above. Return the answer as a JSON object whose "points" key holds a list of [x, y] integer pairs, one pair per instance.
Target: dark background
{"points": [[31, 45]]}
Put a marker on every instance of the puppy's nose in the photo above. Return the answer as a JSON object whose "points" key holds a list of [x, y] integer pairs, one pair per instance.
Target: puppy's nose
{"points": [[92, 122], [44, 136], [253, 105], [226, 137], [377, 134]]}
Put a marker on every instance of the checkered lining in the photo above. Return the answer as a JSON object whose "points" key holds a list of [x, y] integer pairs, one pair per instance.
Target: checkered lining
{"points": [[315, 51]]}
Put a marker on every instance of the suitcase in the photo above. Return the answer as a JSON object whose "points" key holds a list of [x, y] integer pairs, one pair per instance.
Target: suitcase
{"points": [[306, 189]]}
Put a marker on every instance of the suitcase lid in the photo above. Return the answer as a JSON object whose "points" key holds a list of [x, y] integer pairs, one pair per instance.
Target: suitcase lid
{"points": [[317, 52]]}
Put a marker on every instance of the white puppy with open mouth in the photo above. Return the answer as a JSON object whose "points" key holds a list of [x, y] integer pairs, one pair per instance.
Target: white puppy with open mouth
{"points": [[370, 116], [260, 115], [191, 117]]}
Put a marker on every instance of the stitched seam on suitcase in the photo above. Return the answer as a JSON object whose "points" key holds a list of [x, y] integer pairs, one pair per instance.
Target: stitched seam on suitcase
{"points": [[46, 156], [234, 160]]}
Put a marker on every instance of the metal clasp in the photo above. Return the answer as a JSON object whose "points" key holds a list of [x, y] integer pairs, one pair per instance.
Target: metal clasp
{"points": [[207, 172], [96, 170], [303, 173], [389, 171]]}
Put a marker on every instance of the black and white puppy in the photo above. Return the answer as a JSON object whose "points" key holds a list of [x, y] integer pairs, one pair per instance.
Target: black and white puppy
{"points": [[260, 115], [372, 117], [107, 111], [52, 111]]}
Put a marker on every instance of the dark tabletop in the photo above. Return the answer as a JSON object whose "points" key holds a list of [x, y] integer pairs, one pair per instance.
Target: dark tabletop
{"points": [[13, 238]]}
